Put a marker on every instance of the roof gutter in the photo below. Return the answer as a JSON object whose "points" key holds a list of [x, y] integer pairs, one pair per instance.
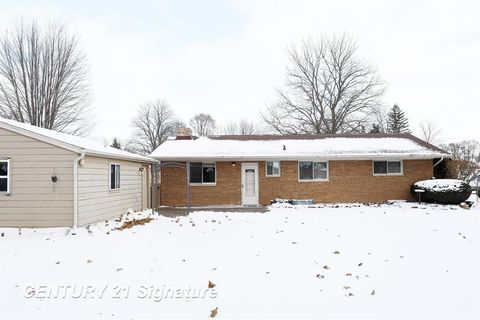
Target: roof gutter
{"points": [[140, 159], [72, 147], [438, 162], [75, 188], [346, 157]]}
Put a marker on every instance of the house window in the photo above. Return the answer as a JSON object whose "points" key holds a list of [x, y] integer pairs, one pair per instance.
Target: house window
{"points": [[202, 173], [4, 176], [383, 168], [312, 170], [114, 176], [273, 168]]}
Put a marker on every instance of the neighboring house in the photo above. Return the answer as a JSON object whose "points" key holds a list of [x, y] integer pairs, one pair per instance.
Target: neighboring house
{"points": [[49, 178], [253, 170]]}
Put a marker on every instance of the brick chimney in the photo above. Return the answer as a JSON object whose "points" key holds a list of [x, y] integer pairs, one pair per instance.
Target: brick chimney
{"points": [[184, 134]]}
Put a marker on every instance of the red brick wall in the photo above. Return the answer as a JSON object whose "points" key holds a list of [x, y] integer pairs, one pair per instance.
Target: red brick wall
{"points": [[226, 191], [349, 181]]}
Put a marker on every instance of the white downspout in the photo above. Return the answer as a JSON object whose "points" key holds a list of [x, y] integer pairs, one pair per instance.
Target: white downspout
{"points": [[438, 162], [75, 188]]}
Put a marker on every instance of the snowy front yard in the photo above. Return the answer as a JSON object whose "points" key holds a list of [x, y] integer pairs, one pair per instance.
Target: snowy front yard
{"points": [[355, 261]]}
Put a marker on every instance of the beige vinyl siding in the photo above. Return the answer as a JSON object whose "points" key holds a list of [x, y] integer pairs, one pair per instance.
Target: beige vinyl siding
{"points": [[96, 201], [34, 200]]}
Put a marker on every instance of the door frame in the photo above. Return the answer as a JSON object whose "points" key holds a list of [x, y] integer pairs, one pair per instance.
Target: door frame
{"points": [[257, 182]]}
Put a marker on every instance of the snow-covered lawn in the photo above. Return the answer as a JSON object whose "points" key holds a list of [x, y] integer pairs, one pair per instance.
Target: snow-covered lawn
{"points": [[355, 261]]}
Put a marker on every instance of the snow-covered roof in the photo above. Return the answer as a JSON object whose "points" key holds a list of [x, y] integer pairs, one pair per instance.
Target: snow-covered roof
{"points": [[70, 142], [298, 147]]}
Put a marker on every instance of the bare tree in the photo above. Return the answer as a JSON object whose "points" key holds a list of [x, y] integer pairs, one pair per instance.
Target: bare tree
{"points": [[203, 124], [154, 123], [241, 127], [429, 131], [379, 119], [327, 90], [464, 159], [43, 78]]}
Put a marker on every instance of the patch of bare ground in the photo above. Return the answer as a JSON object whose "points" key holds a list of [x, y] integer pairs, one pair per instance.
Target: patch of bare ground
{"points": [[135, 222]]}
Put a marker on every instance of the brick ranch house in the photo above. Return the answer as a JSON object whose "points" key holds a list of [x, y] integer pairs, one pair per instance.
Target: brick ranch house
{"points": [[254, 169]]}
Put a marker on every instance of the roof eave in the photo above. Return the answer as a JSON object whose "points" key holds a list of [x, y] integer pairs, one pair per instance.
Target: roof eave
{"points": [[118, 157], [40, 137], [358, 157], [71, 147]]}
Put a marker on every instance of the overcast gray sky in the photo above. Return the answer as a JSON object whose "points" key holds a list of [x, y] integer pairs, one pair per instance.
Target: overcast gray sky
{"points": [[227, 57]]}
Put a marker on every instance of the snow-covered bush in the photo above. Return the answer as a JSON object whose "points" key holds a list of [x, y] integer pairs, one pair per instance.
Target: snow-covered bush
{"points": [[445, 191]]}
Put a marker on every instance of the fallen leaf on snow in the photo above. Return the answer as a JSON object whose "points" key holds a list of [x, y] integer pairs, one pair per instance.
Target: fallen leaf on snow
{"points": [[213, 312]]}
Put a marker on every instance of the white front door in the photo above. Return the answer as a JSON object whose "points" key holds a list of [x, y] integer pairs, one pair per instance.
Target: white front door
{"points": [[250, 184]]}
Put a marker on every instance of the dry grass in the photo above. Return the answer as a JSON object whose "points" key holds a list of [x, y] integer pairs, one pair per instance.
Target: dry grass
{"points": [[135, 222]]}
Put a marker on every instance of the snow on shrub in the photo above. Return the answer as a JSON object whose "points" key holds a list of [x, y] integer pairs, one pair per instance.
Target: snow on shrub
{"points": [[444, 191]]}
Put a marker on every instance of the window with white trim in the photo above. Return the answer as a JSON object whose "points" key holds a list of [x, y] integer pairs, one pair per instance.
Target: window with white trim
{"points": [[272, 168], [385, 168], [202, 172], [4, 176], [114, 176], [312, 170]]}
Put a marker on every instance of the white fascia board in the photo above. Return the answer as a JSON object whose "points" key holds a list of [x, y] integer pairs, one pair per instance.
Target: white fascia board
{"points": [[71, 147], [391, 156], [119, 157], [40, 137]]}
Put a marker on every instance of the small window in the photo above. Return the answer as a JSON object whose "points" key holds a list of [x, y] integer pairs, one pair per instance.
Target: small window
{"points": [[202, 173], [195, 172], [114, 176], [4, 176], [387, 168], [311, 170], [208, 172], [273, 168], [380, 167]]}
